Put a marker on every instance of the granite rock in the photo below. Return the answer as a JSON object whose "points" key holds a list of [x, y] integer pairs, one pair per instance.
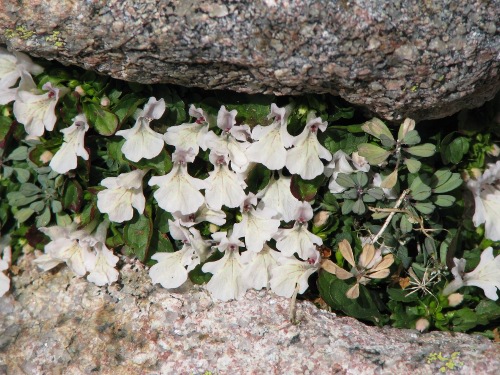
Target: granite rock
{"points": [[419, 59], [55, 323]]}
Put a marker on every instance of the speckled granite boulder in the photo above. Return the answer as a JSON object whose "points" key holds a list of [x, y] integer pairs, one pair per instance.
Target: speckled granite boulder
{"points": [[55, 323], [422, 59]]}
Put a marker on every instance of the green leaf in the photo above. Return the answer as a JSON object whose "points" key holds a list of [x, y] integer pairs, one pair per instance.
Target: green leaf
{"points": [[73, 196], [444, 181], [333, 291], [488, 309], [43, 219], [37, 206], [465, 319], [56, 207], [419, 190], [5, 125], [334, 139], [376, 193], [161, 220], [359, 207], [377, 128], [23, 214], [374, 154], [63, 220], [161, 164], [413, 165], [401, 295], [424, 150], [258, 178], [361, 179], [18, 154], [345, 180], [386, 141], [251, 113], [17, 199], [454, 150], [160, 243], [347, 207], [444, 200], [29, 189], [137, 235], [411, 138], [104, 121], [127, 106], [22, 175], [425, 207], [405, 224]]}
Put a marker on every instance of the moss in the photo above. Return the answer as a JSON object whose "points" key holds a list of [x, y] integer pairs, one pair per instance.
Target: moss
{"points": [[23, 33], [447, 363]]}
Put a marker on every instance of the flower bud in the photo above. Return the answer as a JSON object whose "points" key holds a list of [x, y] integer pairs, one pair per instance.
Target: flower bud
{"points": [[213, 228], [321, 218], [494, 151], [46, 156], [475, 173], [77, 219], [422, 324], [80, 91], [455, 299], [105, 101]]}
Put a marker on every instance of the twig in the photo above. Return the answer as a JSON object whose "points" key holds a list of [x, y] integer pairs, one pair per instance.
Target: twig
{"points": [[391, 215], [293, 305]]}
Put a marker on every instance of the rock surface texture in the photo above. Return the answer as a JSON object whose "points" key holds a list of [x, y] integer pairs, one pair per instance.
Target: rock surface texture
{"points": [[54, 323], [419, 59]]}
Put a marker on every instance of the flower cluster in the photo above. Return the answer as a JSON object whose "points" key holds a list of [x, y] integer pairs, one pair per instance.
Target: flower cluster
{"points": [[240, 197], [245, 264], [82, 252]]}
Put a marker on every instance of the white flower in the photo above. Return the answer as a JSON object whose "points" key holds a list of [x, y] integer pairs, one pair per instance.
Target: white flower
{"points": [[271, 141], [67, 245], [278, 197], [102, 266], [178, 190], [485, 276], [227, 282], [5, 261], [257, 226], [298, 239], [142, 141], [304, 158], [186, 136], [172, 269], [189, 236], [339, 164], [204, 213], [122, 193], [360, 163], [65, 158], [36, 109], [12, 66], [224, 187], [292, 272], [486, 191], [232, 141], [258, 267]]}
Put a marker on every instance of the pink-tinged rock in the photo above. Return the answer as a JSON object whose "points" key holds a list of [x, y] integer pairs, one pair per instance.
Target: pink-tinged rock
{"points": [[262, 46], [54, 323]]}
